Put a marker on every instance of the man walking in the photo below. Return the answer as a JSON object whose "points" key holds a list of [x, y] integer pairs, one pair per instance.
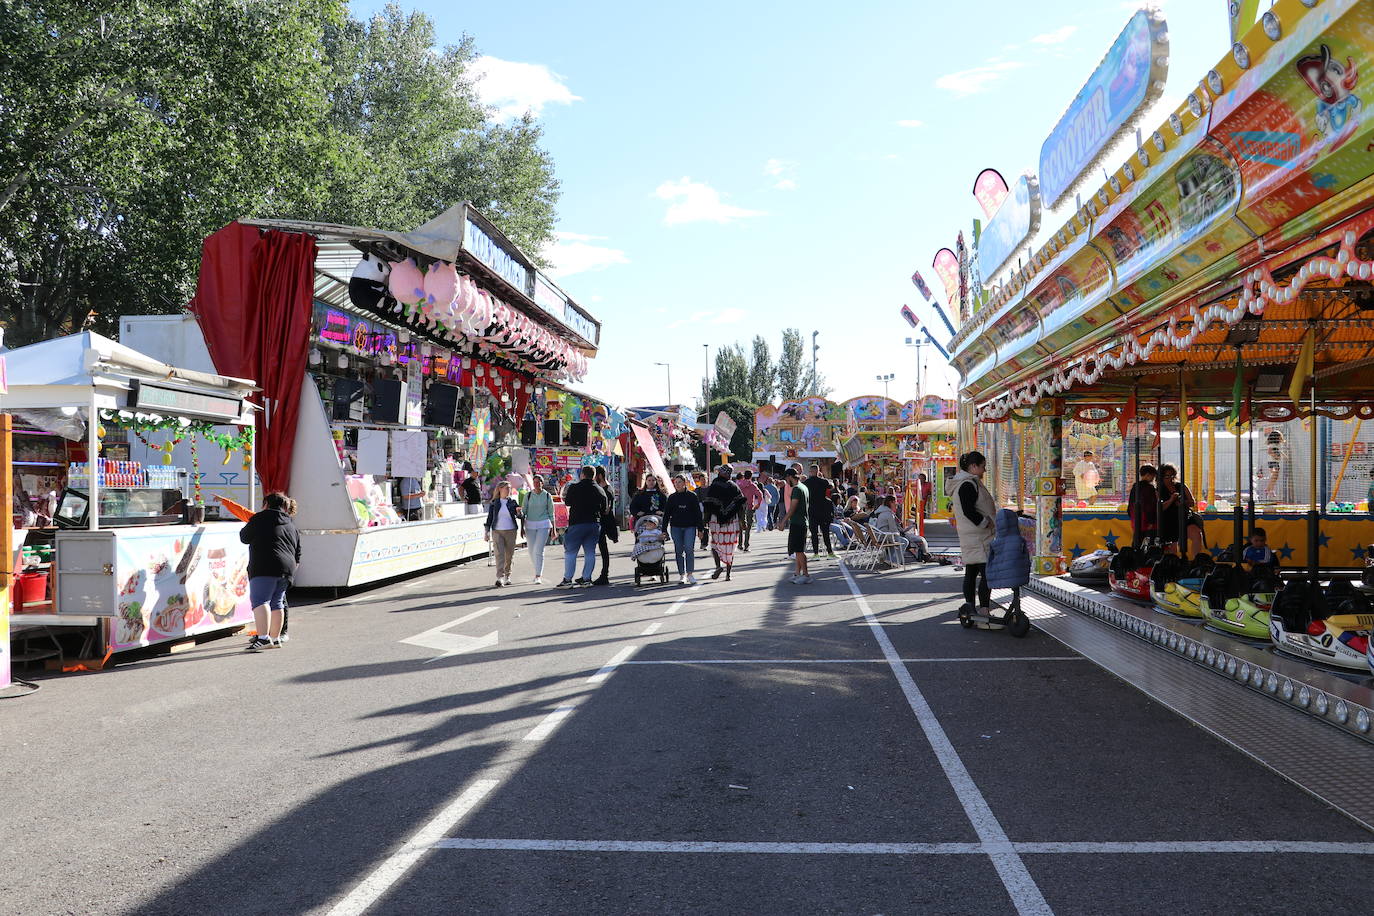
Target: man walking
{"points": [[586, 504], [820, 510], [795, 522], [768, 512], [753, 499]]}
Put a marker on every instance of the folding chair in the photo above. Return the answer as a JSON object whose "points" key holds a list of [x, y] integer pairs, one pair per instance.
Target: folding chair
{"points": [[885, 543]]}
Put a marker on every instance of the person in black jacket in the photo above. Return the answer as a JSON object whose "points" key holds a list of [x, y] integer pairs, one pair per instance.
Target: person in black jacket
{"points": [[610, 528], [821, 511], [274, 550], [725, 504], [682, 516], [586, 504], [648, 501]]}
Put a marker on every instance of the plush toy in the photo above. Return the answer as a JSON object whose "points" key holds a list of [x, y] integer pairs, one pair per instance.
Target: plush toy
{"points": [[367, 286], [407, 284]]}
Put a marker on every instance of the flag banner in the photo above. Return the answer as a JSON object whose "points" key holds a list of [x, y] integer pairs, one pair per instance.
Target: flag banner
{"points": [[990, 189], [946, 266], [920, 283]]}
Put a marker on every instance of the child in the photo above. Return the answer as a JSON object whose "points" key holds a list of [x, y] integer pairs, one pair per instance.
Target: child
{"points": [[1258, 553], [1143, 507], [647, 537]]}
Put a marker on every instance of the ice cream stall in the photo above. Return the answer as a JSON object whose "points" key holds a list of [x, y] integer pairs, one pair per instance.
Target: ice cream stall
{"points": [[116, 550]]}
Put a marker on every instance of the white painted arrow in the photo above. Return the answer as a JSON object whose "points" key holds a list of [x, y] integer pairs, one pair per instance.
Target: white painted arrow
{"points": [[453, 643]]}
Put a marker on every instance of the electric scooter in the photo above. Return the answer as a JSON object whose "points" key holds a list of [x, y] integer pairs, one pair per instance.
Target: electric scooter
{"points": [[1011, 617]]}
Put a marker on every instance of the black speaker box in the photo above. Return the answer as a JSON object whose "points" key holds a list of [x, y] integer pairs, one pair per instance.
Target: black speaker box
{"points": [[529, 432], [441, 405], [388, 401], [553, 432], [577, 435], [348, 400]]}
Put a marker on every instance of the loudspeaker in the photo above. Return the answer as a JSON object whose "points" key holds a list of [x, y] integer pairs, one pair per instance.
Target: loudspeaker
{"points": [[553, 432], [577, 435], [348, 400], [529, 431], [441, 405], [388, 401]]}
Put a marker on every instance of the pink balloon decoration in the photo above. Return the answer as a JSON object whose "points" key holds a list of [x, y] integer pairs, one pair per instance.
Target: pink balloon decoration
{"points": [[406, 283]]}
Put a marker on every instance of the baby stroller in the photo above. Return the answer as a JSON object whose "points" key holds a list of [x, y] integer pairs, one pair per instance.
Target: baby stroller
{"points": [[649, 553]]}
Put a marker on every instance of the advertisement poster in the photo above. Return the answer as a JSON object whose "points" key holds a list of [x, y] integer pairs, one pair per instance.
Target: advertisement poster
{"points": [[178, 583]]}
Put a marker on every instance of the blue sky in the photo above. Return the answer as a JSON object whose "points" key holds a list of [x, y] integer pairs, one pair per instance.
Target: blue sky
{"points": [[731, 169]]}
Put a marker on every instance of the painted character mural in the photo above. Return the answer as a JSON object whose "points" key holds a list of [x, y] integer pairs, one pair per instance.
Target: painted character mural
{"points": [[1333, 83]]}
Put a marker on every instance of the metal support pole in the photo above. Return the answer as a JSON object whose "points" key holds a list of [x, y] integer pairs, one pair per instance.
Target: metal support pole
{"points": [[93, 463], [1237, 510], [1313, 514]]}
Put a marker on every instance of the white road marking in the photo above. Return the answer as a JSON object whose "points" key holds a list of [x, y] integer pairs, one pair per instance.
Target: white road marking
{"points": [[653, 628], [676, 604], [848, 661], [713, 847], [550, 722], [400, 861], [454, 643], [1021, 887], [1168, 847], [615, 662]]}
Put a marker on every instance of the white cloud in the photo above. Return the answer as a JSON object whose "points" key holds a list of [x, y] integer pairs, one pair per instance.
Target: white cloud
{"points": [[514, 88], [1057, 37], [782, 170], [574, 254], [912, 122], [695, 202], [729, 316], [976, 79]]}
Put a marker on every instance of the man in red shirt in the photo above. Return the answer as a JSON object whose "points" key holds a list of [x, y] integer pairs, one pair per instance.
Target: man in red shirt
{"points": [[753, 497]]}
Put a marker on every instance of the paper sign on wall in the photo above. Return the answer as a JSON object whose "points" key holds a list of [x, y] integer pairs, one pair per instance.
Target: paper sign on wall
{"points": [[407, 454], [371, 454]]}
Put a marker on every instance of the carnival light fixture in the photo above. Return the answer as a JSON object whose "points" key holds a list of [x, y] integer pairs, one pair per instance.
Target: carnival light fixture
{"points": [[1194, 105], [1272, 27], [1160, 145], [1214, 82], [1176, 123], [1241, 55]]}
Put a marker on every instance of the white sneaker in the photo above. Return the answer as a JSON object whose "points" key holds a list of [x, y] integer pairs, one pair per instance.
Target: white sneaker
{"points": [[691, 579], [681, 580], [508, 580], [538, 580]]}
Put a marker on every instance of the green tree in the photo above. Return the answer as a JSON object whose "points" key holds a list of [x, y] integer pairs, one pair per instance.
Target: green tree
{"points": [[762, 373], [814, 384], [792, 367], [732, 374], [128, 135]]}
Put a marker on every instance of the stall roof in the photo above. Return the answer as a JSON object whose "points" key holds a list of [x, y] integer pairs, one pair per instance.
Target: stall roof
{"points": [[443, 238], [78, 358]]}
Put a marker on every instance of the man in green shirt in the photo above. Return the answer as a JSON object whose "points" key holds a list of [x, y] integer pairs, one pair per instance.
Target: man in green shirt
{"points": [[795, 521]]}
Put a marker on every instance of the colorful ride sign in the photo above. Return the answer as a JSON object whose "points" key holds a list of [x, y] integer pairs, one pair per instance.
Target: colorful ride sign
{"points": [[1130, 78]]}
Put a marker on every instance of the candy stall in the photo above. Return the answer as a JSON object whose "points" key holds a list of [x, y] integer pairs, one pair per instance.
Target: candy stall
{"points": [[116, 555]]}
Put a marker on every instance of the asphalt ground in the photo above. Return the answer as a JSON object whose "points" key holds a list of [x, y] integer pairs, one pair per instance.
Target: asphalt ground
{"points": [[746, 747]]}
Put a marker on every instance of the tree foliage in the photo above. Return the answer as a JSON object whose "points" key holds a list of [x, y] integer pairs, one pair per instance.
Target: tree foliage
{"points": [[732, 374], [792, 368], [131, 129], [762, 375]]}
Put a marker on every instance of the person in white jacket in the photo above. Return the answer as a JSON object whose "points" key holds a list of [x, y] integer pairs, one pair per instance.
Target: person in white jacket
{"points": [[973, 509]]}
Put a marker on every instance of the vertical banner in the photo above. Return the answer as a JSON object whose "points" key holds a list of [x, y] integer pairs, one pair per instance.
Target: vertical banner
{"points": [[650, 449], [946, 266], [920, 283], [909, 317], [990, 189]]}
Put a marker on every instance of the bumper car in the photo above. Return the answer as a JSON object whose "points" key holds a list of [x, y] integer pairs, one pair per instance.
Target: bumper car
{"points": [[1129, 572], [1176, 588], [1092, 568], [1366, 583], [1237, 602], [1331, 627]]}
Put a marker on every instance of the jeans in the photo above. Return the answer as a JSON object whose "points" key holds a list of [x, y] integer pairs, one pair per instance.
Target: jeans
{"points": [[684, 544], [538, 539], [580, 538], [503, 548], [744, 532], [761, 515], [838, 531]]}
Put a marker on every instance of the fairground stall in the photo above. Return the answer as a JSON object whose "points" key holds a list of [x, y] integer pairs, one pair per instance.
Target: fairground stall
{"points": [[819, 430], [1209, 307], [393, 365], [116, 551]]}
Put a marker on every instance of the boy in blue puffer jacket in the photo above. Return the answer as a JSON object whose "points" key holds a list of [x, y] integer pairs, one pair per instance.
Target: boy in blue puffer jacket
{"points": [[1009, 562]]}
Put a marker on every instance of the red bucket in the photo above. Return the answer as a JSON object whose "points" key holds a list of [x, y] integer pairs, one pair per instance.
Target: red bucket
{"points": [[30, 588]]}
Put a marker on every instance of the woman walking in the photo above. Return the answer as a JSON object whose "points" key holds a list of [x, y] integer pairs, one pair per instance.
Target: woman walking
{"points": [[973, 514], [274, 551], [503, 515], [725, 505], [683, 518], [539, 530]]}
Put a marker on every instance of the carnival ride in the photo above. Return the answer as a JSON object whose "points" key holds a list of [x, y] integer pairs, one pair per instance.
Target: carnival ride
{"points": [[1218, 292]]}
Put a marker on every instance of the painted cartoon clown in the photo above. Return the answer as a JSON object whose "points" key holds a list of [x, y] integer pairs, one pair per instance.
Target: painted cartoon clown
{"points": [[1333, 84]]}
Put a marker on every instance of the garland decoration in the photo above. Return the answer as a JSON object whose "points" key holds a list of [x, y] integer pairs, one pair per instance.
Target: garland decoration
{"points": [[139, 423]]}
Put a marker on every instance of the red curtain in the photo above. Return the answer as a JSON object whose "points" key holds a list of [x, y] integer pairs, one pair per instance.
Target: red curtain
{"points": [[253, 302]]}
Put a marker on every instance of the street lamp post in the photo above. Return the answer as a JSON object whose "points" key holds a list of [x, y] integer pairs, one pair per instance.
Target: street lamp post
{"points": [[705, 375], [885, 379], [670, 381], [918, 344]]}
